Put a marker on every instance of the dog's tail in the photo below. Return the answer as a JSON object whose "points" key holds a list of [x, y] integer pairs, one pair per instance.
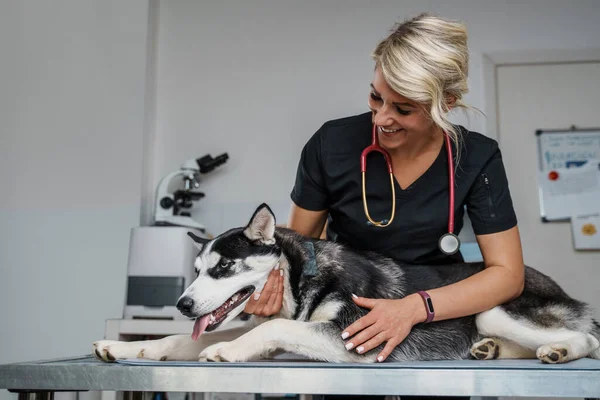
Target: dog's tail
{"points": [[595, 333]]}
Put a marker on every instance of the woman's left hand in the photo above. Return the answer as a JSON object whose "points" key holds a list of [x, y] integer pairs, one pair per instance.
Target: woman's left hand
{"points": [[388, 321]]}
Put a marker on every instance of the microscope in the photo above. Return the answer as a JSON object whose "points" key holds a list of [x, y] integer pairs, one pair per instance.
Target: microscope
{"points": [[161, 256], [172, 206]]}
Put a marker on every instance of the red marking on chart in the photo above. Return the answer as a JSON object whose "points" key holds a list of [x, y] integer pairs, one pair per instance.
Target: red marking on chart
{"points": [[553, 175]]}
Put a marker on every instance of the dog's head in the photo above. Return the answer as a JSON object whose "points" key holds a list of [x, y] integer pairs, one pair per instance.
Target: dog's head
{"points": [[230, 267]]}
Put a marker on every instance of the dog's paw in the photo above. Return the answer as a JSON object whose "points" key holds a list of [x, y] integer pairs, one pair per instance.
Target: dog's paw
{"points": [[553, 353], [234, 352], [211, 353], [225, 352], [486, 349], [110, 351], [102, 350]]}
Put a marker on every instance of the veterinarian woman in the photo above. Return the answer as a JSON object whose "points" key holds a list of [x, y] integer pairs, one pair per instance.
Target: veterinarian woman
{"points": [[420, 75]]}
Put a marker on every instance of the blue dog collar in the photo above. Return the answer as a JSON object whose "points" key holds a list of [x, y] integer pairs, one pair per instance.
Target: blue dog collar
{"points": [[309, 269]]}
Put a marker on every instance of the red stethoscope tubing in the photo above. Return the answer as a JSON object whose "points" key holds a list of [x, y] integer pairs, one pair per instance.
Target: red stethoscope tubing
{"points": [[374, 146], [450, 184]]}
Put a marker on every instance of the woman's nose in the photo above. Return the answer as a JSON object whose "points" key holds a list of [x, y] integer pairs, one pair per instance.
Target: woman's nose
{"points": [[382, 116]]}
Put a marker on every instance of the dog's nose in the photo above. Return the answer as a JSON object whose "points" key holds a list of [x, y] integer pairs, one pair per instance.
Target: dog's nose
{"points": [[185, 304]]}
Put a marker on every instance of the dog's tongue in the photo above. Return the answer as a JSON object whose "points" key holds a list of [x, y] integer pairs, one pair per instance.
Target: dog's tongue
{"points": [[200, 326]]}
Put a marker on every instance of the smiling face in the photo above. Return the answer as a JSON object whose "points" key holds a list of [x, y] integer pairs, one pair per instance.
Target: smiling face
{"points": [[401, 122]]}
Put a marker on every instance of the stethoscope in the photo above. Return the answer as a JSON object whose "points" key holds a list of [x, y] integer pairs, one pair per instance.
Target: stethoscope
{"points": [[449, 243]]}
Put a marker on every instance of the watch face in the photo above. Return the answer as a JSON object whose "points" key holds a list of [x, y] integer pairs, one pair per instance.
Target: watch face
{"points": [[429, 305]]}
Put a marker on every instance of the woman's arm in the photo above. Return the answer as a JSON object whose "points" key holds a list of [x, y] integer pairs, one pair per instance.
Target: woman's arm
{"points": [[501, 280], [306, 222], [391, 320]]}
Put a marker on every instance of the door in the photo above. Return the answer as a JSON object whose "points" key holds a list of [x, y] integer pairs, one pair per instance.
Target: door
{"points": [[547, 96]]}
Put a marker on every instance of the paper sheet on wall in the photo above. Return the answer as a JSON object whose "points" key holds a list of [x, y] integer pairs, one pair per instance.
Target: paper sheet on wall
{"points": [[586, 232], [567, 192]]}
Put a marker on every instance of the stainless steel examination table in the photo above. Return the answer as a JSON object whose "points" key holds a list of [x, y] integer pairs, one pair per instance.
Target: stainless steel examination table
{"points": [[452, 378]]}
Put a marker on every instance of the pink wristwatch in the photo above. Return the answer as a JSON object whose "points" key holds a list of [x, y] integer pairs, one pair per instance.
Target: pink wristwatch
{"points": [[428, 305]]}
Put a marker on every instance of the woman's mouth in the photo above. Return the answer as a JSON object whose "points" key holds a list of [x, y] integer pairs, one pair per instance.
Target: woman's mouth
{"points": [[385, 130], [389, 133]]}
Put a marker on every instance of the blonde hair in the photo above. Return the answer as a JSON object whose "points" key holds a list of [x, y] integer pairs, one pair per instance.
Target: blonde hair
{"points": [[426, 59]]}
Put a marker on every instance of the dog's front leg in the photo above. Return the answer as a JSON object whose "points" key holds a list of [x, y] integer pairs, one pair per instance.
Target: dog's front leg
{"points": [[176, 347], [173, 348], [314, 340]]}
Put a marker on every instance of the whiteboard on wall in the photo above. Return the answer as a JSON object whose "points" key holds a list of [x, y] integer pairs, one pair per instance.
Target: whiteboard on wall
{"points": [[569, 173]]}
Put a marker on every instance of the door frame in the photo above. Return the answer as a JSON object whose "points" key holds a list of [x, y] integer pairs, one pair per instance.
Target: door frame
{"points": [[493, 60]]}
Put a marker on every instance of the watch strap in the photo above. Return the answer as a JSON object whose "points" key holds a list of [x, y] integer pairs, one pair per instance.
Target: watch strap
{"points": [[428, 305]]}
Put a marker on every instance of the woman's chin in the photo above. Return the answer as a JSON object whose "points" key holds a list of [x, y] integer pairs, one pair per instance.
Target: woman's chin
{"points": [[391, 141]]}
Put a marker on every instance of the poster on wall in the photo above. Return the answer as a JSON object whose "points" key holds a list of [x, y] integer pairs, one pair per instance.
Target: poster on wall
{"points": [[586, 232], [569, 173]]}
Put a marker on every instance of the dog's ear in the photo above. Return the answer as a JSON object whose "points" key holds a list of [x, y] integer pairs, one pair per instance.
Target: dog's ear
{"points": [[199, 241], [262, 225]]}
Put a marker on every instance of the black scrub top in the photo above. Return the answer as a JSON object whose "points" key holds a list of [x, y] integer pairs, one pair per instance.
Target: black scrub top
{"points": [[329, 178]]}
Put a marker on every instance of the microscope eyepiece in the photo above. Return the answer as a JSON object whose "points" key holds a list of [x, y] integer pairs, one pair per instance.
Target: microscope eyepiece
{"points": [[207, 163]]}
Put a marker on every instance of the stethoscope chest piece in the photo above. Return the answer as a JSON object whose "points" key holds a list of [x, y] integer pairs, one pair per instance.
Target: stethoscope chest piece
{"points": [[449, 243]]}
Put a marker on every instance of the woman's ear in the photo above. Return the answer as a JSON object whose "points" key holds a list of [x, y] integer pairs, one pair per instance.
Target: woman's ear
{"points": [[450, 101]]}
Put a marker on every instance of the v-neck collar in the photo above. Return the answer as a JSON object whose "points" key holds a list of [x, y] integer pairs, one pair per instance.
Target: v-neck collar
{"points": [[440, 158]]}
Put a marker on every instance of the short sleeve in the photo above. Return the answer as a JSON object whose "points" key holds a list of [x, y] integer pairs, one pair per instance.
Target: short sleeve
{"points": [[489, 202], [309, 190]]}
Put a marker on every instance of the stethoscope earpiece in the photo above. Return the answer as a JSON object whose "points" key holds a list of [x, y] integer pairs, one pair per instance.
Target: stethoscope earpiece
{"points": [[381, 223]]}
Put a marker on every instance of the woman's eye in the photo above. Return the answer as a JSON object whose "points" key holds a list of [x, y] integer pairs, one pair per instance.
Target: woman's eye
{"points": [[375, 97], [402, 112]]}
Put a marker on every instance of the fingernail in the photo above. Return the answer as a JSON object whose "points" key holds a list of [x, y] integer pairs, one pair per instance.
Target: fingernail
{"points": [[355, 296], [256, 296], [380, 358], [280, 272], [349, 346], [276, 267], [345, 335], [360, 349]]}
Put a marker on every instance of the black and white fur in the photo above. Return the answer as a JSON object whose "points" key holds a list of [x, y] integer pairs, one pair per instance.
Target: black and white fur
{"points": [[544, 322]]}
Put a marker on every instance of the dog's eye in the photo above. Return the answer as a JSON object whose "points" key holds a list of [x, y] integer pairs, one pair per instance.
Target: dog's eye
{"points": [[226, 263]]}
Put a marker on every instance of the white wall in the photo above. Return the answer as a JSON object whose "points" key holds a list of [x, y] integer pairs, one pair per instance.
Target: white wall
{"points": [[257, 78], [253, 78], [71, 125]]}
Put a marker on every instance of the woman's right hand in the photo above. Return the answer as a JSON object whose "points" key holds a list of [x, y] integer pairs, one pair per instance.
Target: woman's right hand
{"points": [[268, 302]]}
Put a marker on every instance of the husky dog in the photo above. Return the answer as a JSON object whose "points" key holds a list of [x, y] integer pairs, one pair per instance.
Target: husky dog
{"points": [[319, 279]]}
